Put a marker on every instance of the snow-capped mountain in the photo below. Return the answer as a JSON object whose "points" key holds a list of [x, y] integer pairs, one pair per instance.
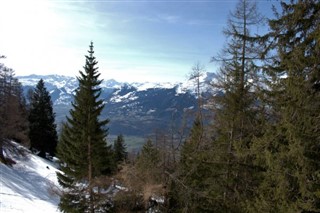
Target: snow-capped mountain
{"points": [[133, 108]]}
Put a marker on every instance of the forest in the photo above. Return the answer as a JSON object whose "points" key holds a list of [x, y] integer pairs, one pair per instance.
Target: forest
{"points": [[258, 150]]}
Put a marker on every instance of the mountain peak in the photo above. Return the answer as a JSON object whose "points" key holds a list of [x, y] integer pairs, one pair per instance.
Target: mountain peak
{"points": [[129, 106]]}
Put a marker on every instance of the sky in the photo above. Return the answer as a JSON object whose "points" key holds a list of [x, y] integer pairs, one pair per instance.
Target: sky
{"points": [[134, 40]]}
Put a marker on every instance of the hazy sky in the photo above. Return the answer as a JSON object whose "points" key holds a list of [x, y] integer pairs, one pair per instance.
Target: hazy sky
{"points": [[134, 40]]}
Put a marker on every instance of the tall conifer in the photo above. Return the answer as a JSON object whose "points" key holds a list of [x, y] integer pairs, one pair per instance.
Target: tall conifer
{"points": [[237, 119], [193, 172], [43, 133], [220, 176], [289, 150], [119, 146], [83, 148]]}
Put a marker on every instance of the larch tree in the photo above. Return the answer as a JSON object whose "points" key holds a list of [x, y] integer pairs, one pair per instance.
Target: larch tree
{"points": [[16, 116], [198, 70], [187, 181], [83, 148], [217, 171], [289, 150], [42, 133], [238, 112], [13, 112]]}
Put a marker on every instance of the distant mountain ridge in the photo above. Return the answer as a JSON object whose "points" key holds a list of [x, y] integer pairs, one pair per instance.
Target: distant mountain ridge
{"points": [[133, 108]]}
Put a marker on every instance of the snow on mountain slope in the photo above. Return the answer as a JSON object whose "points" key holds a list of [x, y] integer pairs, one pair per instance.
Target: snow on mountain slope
{"points": [[148, 85], [133, 108], [52, 81], [29, 184], [65, 85]]}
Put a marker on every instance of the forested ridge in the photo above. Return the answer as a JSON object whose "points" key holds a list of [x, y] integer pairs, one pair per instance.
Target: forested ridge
{"points": [[257, 150]]}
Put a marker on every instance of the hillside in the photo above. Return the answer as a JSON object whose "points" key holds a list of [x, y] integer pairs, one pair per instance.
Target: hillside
{"points": [[29, 184]]}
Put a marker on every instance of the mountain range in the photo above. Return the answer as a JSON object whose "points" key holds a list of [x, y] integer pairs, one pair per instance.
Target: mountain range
{"points": [[136, 109]]}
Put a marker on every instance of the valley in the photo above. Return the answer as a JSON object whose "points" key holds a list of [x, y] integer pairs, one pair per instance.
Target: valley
{"points": [[136, 110]]}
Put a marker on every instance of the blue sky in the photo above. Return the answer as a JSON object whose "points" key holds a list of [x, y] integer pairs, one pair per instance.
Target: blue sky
{"points": [[134, 40]]}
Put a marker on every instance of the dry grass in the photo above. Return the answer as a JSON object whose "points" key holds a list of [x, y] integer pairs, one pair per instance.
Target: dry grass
{"points": [[150, 190], [141, 188]]}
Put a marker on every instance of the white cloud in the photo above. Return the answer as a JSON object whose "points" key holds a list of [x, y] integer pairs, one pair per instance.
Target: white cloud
{"points": [[169, 18]]}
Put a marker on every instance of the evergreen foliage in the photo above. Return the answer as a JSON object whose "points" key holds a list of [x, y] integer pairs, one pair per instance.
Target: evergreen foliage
{"points": [[148, 162], [220, 174], [259, 154], [192, 172], [119, 147], [239, 113], [42, 133], [83, 148], [289, 150]]}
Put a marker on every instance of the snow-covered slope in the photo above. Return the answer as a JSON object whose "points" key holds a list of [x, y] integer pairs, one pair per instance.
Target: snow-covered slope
{"points": [[29, 185]]}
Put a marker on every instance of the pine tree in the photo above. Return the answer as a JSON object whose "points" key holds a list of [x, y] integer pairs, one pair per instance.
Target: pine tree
{"points": [[119, 146], [289, 150], [83, 148], [43, 133]]}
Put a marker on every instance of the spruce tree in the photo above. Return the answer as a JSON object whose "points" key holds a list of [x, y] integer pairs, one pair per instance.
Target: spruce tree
{"points": [[83, 148], [43, 133], [119, 147], [289, 150]]}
